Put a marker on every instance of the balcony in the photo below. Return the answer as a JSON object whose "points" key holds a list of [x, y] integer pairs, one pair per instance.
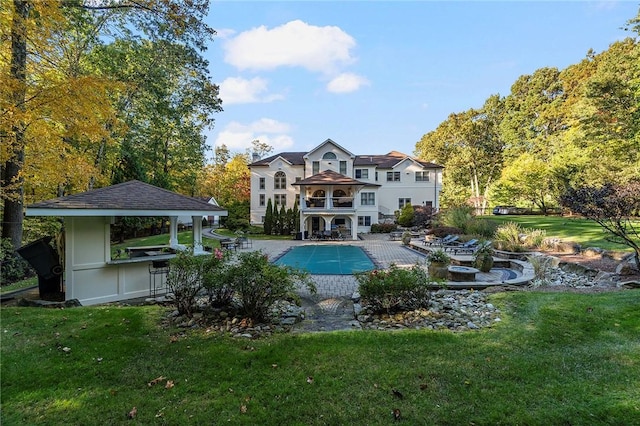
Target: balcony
{"points": [[329, 203]]}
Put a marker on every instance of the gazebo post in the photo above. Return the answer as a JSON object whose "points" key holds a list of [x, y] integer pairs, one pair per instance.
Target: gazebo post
{"points": [[173, 232], [197, 234]]}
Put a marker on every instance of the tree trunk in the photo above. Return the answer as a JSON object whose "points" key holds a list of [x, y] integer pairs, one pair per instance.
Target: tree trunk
{"points": [[12, 180]]}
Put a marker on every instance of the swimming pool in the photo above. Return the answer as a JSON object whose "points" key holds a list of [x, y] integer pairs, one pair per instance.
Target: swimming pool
{"points": [[327, 259]]}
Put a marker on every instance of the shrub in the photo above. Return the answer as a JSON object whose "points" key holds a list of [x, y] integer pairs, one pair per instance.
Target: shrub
{"points": [[185, 280], [258, 284], [508, 237], [481, 227], [512, 237], [237, 224], [405, 218], [406, 238], [541, 267], [214, 278], [12, 266], [536, 238], [438, 256], [458, 217], [443, 231], [394, 289], [383, 228]]}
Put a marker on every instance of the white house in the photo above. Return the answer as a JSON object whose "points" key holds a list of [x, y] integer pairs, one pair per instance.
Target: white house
{"points": [[338, 191]]}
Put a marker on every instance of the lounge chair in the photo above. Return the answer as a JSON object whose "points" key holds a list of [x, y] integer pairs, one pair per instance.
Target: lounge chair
{"points": [[461, 247], [440, 241], [472, 249]]}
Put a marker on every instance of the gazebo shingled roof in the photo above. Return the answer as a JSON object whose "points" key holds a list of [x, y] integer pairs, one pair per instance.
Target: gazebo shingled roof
{"points": [[128, 198]]}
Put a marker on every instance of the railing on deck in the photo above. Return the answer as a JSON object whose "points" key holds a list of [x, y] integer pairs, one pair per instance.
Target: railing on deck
{"points": [[331, 202]]}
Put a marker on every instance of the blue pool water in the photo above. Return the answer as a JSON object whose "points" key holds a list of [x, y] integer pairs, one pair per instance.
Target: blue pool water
{"points": [[327, 259]]}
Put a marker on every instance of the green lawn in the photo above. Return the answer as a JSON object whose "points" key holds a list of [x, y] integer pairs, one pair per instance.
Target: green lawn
{"points": [[554, 359], [585, 232]]}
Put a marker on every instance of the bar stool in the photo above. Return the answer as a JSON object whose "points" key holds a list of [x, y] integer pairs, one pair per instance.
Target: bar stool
{"points": [[158, 271]]}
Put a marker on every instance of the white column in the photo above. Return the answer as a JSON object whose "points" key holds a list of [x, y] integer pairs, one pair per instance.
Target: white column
{"points": [[173, 232], [197, 235], [354, 226]]}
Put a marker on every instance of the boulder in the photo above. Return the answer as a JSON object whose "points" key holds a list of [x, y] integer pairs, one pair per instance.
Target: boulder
{"points": [[627, 268], [593, 252]]}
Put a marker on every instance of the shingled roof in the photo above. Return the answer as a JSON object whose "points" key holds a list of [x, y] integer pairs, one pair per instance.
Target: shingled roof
{"points": [[329, 177], [133, 198], [295, 158], [387, 161], [383, 161]]}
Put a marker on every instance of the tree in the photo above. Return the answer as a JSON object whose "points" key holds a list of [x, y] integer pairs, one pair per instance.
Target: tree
{"points": [[295, 214], [268, 218], [228, 178], [259, 149], [527, 179], [285, 225], [613, 207], [405, 218], [59, 125], [469, 146]]}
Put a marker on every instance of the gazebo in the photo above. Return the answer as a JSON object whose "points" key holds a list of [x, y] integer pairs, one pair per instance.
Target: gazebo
{"points": [[90, 274]]}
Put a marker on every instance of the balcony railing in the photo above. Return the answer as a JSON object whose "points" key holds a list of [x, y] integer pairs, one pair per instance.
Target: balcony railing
{"points": [[329, 202]]}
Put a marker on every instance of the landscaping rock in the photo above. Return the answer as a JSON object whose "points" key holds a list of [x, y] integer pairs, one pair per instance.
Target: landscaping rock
{"points": [[626, 268], [593, 252]]}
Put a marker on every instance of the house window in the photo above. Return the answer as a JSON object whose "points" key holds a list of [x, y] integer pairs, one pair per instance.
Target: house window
{"points": [[297, 200], [316, 167], [376, 176], [280, 199], [364, 220], [279, 180], [393, 176], [329, 156], [343, 167], [298, 178], [362, 173], [422, 176], [403, 202], [261, 200], [368, 198], [261, 183]]}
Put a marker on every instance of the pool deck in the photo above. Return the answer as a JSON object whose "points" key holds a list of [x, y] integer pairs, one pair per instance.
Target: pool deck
{"points": [[384, 252]]}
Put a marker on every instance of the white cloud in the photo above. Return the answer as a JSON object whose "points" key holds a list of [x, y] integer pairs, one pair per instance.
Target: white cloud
{"points": [[296, 43], [225, 33], [237, 90], [237, 136], [346, 83]]}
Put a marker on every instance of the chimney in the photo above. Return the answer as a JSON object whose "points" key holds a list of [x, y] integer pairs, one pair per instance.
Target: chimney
{"points": [[255, 157]]}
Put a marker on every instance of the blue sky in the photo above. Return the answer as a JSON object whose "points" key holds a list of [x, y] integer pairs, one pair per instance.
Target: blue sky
{"points": [[375, 76]]}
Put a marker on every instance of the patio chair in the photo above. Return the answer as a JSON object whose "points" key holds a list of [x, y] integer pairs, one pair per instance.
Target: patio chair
{"points": [[244, 242], [469, 245]]}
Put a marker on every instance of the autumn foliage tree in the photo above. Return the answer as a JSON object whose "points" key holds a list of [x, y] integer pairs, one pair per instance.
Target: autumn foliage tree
{"points": [[74, 107], [614, 207]]}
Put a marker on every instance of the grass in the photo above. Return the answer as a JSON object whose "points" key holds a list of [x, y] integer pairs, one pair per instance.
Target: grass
{"points": [[19, 285], [585, 232], [554, 359]]}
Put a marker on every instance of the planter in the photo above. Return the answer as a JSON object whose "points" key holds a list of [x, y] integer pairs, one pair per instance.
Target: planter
{"points": [[438, 269], [484, 263]]}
